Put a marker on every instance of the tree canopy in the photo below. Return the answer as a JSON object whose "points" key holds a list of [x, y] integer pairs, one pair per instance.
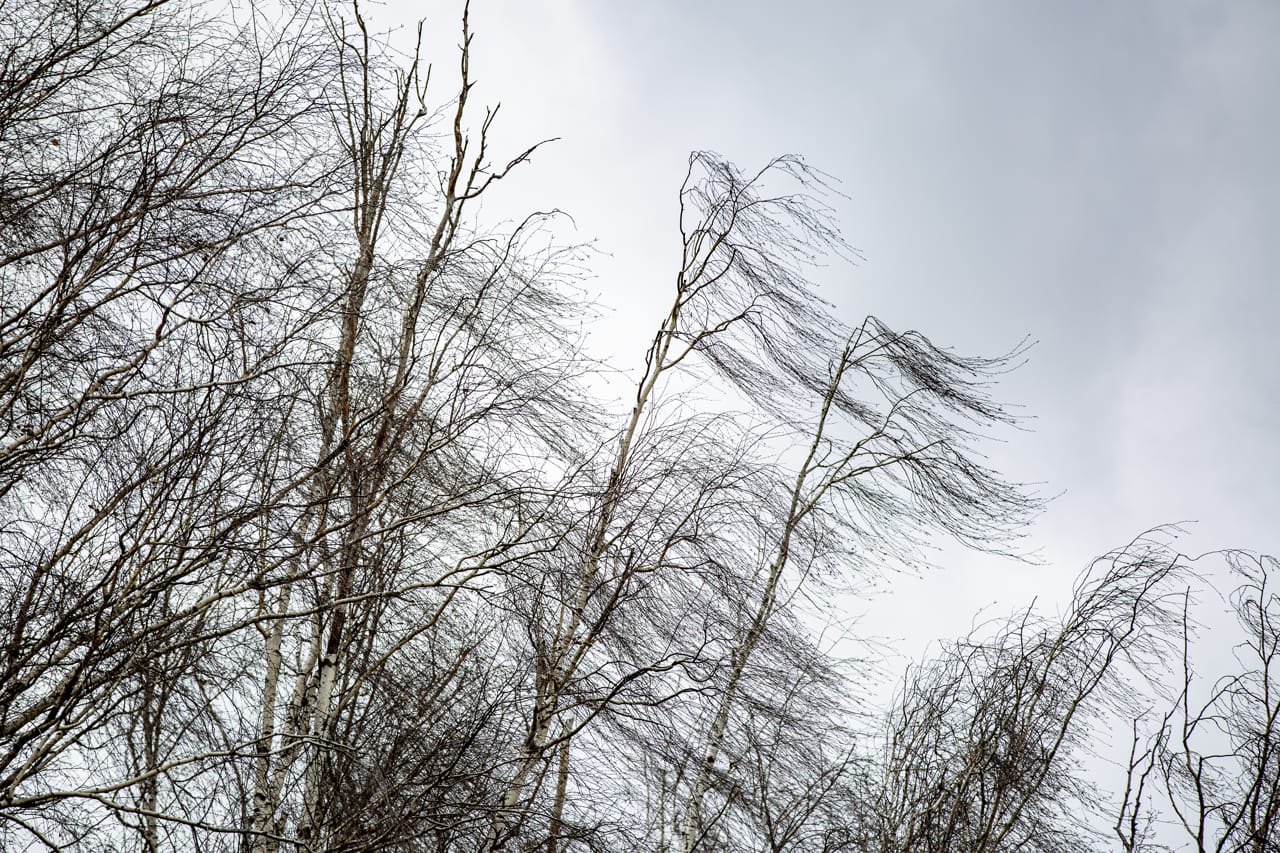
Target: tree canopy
{"points": [[316, 532]]}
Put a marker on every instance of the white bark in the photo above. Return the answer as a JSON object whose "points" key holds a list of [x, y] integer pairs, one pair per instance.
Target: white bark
{"points": [[264, 805]]}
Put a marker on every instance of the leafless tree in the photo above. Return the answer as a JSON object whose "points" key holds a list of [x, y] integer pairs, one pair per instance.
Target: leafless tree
{"points": [[205, 439], [445, 386], [1209, 775], [155, 160], [984, 744]]}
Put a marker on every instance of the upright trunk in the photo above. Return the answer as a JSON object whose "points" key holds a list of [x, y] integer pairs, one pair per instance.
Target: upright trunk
{"points": [[557, 806], [149, 798], [264, 805], [322, 717], [313, 777], [323, 709], [279, 761], [691, 827], [530, 757], [801, 501]]}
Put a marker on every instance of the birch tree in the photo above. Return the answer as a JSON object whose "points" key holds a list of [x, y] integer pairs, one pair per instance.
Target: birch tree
{"points": [[443, 372], [1208, 776], [983, 747]]}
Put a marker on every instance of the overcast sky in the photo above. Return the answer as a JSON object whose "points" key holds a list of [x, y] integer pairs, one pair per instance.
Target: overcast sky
{"points": [[1098, 176]]}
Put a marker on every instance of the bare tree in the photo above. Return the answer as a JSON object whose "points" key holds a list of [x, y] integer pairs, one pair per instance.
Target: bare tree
{"points": [[886, 457], [983, 746], [1209, 775], [154, 161]]}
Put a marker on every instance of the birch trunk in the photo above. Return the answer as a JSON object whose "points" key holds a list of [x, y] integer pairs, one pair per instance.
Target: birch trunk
{"points": [[264, 806], [800, 506]]}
